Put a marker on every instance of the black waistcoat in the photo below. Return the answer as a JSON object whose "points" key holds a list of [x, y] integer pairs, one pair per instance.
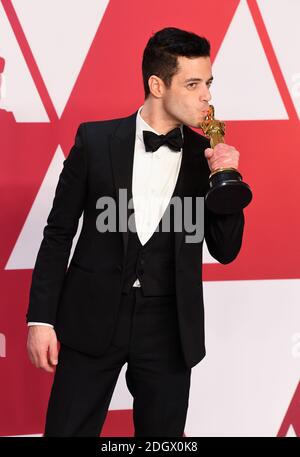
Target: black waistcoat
{"points": [[152, 263]]}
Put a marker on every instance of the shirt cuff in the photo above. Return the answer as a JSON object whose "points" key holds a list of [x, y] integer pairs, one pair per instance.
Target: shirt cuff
{"points": [[39, 323]]}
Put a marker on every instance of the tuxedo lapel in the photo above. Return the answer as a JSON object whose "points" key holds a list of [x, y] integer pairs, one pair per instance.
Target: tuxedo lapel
{"points": [[188, 179], [122, 152]]}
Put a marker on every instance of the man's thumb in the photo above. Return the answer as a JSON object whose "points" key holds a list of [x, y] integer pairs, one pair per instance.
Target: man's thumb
{"points": [[208, 153], [53, 353]]}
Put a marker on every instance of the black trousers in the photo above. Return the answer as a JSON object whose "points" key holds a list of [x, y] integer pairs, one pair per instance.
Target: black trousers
{"points": [[146, 336]]}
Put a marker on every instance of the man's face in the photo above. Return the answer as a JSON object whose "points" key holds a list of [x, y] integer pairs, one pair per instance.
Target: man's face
{"points": [[186, 100]]}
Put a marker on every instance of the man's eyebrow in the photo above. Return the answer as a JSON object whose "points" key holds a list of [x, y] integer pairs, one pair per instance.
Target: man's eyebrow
{"points": [[198, 79]]}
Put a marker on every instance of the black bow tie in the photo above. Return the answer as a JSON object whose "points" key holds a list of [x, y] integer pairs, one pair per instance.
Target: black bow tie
{"points": [[173, 139]]}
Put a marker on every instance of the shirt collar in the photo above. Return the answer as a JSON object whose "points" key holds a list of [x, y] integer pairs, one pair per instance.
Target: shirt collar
{"points": [[142, 125]]}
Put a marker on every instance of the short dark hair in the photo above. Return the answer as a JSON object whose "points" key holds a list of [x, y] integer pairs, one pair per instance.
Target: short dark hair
{"points": [[163, 48]]}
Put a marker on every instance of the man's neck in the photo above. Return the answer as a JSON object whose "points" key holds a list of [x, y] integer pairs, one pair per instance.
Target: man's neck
{"points": [[157, 119]]}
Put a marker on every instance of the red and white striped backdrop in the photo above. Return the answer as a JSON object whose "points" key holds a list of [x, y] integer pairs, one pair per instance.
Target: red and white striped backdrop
{"points": [[67, 62]]}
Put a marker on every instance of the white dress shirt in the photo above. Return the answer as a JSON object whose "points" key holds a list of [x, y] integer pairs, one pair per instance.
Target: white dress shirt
{"points": [[153, 182]]}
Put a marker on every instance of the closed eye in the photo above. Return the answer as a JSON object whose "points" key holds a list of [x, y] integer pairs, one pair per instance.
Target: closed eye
{"points": [[192, 85]]}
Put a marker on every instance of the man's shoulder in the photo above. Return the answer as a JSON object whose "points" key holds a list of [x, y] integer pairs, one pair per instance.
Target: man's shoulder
{"points": [[101, 124], [104, 125]]}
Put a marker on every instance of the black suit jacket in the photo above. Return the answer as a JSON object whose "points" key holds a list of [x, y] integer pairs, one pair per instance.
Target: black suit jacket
{"points": [[81, 301]]}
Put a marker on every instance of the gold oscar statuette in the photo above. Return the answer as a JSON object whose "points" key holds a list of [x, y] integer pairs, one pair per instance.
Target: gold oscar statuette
{"points": [[227, 192]]}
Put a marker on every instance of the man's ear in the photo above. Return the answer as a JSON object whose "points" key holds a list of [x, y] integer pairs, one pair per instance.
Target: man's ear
{"points": [[156, 86]]}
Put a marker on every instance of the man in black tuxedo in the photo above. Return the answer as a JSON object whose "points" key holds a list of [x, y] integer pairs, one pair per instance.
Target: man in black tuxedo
{"points": [[128, 295]]}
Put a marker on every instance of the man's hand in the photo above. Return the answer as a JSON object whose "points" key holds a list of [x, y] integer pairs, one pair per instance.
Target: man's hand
{"points": [[40, 339], [222, 156]]}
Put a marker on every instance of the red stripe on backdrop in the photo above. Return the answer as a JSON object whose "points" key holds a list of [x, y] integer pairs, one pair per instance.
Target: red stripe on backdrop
{"points": [[273, 61], [292, 417], [29, 58]]}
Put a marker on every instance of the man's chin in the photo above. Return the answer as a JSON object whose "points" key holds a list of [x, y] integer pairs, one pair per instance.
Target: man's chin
{"points": [[196, 124]]}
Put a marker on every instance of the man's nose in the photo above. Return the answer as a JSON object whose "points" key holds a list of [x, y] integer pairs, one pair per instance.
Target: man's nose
{"points": [[206, 95]]}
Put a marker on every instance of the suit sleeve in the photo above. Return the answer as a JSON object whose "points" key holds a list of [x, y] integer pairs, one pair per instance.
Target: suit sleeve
{"points": [[62, 223], [223, 234]]}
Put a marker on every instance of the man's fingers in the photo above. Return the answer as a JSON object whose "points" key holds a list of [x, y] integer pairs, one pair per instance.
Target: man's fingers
{"points": [[44, 364], [32, 354], [221, 162], [222, 156], [40, 360], [31, 358]]}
